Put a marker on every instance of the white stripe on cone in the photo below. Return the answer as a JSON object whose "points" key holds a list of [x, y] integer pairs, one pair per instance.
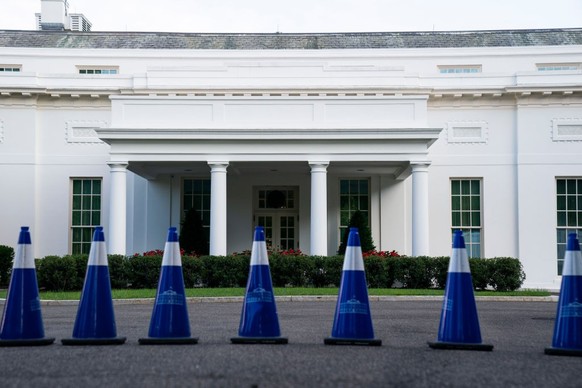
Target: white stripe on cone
{"points": [[353, 260], [98, 253], [259, 253], [572, 264], [459, 261], [23, 257], [172, 254]]}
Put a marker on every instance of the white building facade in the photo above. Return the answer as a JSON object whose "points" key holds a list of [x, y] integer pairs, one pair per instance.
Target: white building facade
{"points": [[424, 133]]}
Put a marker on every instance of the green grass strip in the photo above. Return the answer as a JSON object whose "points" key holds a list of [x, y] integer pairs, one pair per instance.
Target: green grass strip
{"points": [[287, 291]]}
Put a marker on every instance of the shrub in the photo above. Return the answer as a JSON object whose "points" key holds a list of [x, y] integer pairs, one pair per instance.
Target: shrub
{"points": [[144, 271], [118, 271], [480, 273], [67, 273], [506, 274], [413, 272], [55, 273], [326, 271], [225, 271], [440, 268], [6, 259], [287, 270], [379, 272], [193, 269]]}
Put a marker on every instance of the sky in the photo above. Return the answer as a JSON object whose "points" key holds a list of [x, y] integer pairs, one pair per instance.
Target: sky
{"points": [[269, 16]]}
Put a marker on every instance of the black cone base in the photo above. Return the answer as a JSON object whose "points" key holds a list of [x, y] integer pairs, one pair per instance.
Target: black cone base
{"points": [[352, 341], [93, 341], [563, 352], [460, 346], [260, 340], [27, 342], [168, 341]]}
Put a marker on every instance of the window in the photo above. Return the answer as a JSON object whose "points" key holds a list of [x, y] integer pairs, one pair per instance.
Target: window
{"points": [[10, 68], [558, 66], [196, 195], [276, 199], [86, 212], [99, 70], [569, 213], [354, 196], [459, 69], [466, 213]]}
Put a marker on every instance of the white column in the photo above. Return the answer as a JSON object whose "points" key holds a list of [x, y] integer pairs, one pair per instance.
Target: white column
{"points": [[218, 208], [118, 208], [319, 208], [420, 208]]}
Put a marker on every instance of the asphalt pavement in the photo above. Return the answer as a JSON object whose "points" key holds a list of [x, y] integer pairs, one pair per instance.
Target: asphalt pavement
{"points": [[519, 332]]}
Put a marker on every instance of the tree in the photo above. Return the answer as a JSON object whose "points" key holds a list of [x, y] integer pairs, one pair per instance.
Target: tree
{"points": [[193, 236], [359, 221]]}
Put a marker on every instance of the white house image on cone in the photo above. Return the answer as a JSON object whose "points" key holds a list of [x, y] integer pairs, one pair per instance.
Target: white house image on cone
{"points": [[424, 132]]}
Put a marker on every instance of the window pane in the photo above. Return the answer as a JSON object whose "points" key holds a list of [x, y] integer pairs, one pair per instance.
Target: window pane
{"points": [[344, 218], [456, 203], [561, 218], [475, 203], [364, 203], [475, 187], [561, 202], [364, 186], [77, 186], [456, 219], [96, 187], [561, 186], [197, 186], [344, 188], [571, 202], [96, 203], [475, 219], [76, 202], [76, 218], [561, 236], [571, 186], [86, 187], [96, 218], [466, 203], [187, 187], [344, 202], [572, 219], [455, 187], [466, 219], [465, 187]]}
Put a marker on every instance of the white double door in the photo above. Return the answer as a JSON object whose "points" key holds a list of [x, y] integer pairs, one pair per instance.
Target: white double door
{"points": [[280, 229]]}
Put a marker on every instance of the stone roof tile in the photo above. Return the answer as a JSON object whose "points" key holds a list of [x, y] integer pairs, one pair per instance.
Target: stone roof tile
{"points": [[289, 41]]}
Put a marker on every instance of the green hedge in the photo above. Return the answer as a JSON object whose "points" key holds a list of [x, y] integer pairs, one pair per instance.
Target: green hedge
{"points": [[6, 257], [68, 272]]}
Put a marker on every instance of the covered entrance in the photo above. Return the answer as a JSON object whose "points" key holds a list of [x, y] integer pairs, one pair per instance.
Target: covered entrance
{"points": [[271, 160]]}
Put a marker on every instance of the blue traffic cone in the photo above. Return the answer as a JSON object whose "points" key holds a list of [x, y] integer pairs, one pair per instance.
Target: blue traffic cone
{"points": [[353, 322], [567, 340], [95, 322], [170, 324], [459, 324], [22, 319], [259, 323]]}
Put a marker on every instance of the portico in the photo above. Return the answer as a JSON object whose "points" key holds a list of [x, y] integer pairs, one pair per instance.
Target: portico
{"points": [[311, 135]]}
